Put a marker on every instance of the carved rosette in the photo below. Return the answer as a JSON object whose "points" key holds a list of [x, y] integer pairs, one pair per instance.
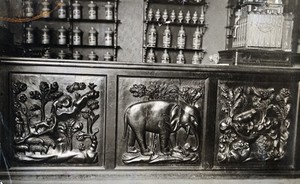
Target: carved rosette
{"points": [[55, 122], [254, 123], [163, 124]]}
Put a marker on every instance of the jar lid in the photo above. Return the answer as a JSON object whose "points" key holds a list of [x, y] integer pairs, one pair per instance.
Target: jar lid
{"points": [[107, 54], [92, 54], [92, 4], [108, 31], [76, 4], [62, 29], [45, 29], [62, 3], [45, 3], [29, 28], [76, 30], [29, 2], [76, 53], [61, 53], [93, 30], [108, 5]]}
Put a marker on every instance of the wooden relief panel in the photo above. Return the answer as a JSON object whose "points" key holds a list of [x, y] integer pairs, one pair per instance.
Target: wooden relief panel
{"points": [[57, 119], [160, 120], [254, 122]]}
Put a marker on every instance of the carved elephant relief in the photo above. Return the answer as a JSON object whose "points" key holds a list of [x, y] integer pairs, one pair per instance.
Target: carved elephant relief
{"points": [[162, 118]]}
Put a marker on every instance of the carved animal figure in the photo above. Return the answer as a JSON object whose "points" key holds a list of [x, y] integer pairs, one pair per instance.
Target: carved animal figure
{"points": [[64, 108], [161, 117], [38, 148]]}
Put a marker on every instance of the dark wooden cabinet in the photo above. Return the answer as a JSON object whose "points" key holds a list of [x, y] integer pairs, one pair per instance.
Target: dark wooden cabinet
{"points": [[199, 121]]}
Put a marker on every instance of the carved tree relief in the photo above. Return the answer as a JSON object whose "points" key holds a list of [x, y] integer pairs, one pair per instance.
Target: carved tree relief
{"points": [[255, 123], [54, 125], [165, 125]]}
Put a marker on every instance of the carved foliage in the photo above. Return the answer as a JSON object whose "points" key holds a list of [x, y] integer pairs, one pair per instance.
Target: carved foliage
{"points": [[255, 124], [49, 123], [170, 124]]}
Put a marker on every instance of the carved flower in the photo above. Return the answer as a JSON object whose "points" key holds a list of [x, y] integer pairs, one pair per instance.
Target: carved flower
{"points": [[138, 90], [78, 126], [17, 105], [36, 95], [22, 98], [18, 87], [81, 136], [285, 92], [44, 87], [93, 104], [81, 147]]}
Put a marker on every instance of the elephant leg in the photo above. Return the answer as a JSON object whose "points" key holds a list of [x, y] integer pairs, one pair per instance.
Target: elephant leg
{"points": [[131, 142], [164, 142], [141, 139]]}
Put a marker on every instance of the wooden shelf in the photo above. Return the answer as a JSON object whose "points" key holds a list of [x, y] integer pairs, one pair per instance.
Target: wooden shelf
{"points": [[174, 49], [175, 23], [70, 46], [177, 2], [68, 20]]}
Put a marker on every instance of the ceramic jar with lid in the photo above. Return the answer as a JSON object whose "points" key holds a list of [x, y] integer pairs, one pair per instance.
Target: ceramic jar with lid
{"points": [[180, 59], [165, 57], [181, 38], [62, 37], [61, 55], [77, 55], [152, 36], [29, 36], [92, 39], [107, 56], [92, 10], [150, 56], [29, 11], [92, 56], [46, 9], [77, 33], [45, 35], [76, 14], [108, 37], [167, 37], [62, 12], [109, 14], [197, 39]]}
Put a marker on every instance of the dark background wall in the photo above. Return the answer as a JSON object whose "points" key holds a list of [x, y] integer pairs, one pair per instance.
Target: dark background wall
{"points": [[131, 28]]}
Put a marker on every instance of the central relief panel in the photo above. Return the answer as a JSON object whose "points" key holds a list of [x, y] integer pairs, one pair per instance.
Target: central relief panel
{"points": [[159, 121], [58, 118]]}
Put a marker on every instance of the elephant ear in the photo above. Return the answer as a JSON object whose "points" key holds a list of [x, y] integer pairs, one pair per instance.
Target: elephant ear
{"points": [[175, 118]]}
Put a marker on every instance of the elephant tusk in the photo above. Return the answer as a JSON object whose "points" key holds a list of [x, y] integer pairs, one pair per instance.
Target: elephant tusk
{"points": [[188, 131]]}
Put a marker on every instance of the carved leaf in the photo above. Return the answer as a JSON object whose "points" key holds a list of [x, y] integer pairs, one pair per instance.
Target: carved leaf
{"points": [[287, 109]]}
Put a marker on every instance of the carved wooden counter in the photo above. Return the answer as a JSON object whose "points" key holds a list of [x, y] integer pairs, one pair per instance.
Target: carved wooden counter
{"points": [[73, 121]]}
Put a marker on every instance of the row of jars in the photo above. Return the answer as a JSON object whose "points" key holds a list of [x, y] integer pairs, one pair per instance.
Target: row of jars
{"points": [[180, 59], [76, 37], [180, 18], [78, 56], [181, 37], [75, 12]]}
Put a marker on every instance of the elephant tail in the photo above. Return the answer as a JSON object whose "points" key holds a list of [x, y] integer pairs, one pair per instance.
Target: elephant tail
{"points": [[125, 123]]}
